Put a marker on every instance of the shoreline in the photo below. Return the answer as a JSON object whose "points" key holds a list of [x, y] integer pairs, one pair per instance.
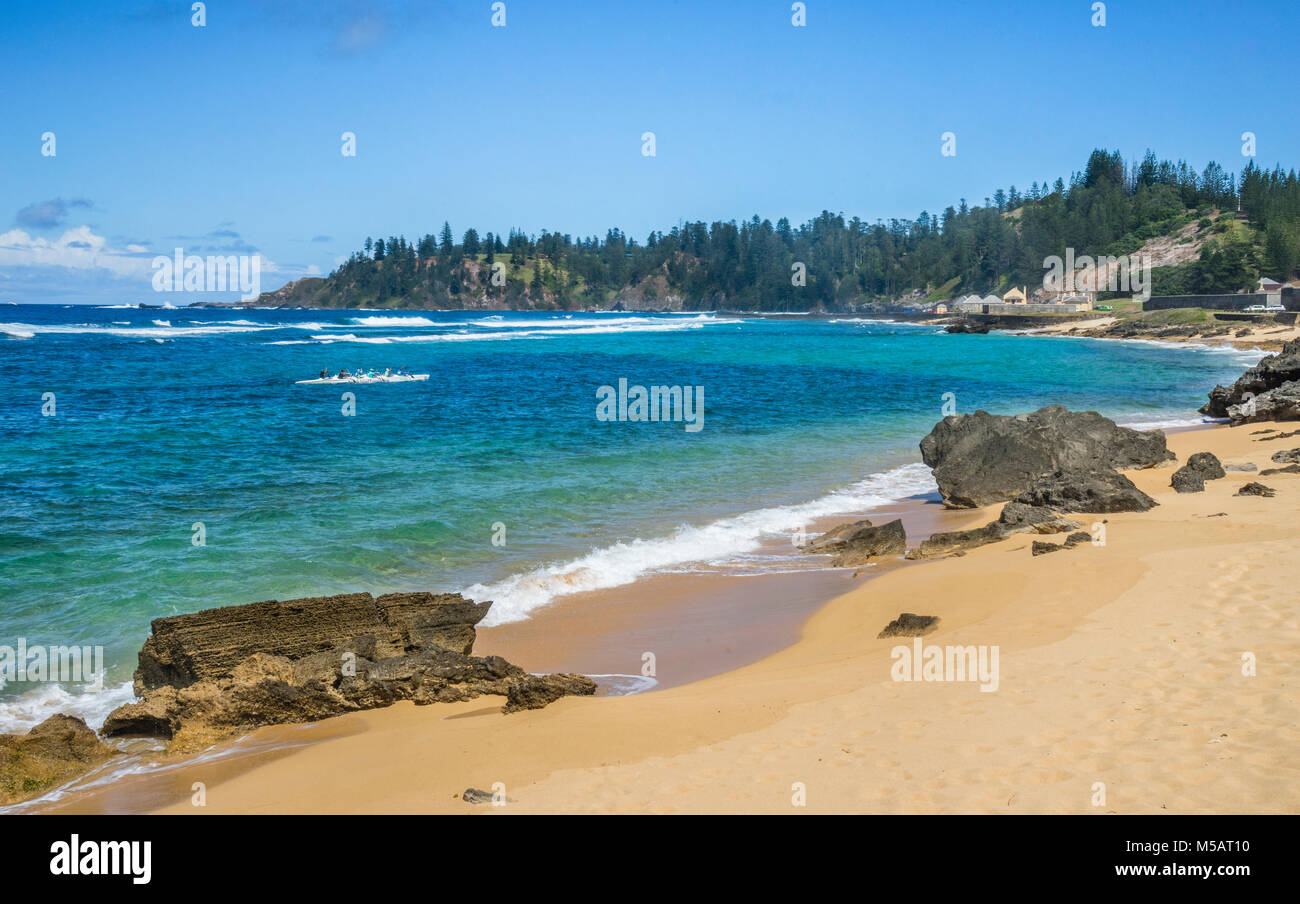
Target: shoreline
{"points": [[698, 625], [736, 740]]}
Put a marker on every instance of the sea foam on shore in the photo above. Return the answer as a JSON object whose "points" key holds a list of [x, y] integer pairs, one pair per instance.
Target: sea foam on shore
{"points": [[622, 563]]}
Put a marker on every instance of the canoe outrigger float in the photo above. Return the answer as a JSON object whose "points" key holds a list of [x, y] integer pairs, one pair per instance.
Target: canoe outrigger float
{"points": [[378, 378]]}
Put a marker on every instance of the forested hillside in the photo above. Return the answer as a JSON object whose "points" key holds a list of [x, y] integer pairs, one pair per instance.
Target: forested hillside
{"points": [[1238, 227]]}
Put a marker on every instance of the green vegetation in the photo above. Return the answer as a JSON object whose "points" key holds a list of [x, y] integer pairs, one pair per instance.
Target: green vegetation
{"points": [[1109, 208]]}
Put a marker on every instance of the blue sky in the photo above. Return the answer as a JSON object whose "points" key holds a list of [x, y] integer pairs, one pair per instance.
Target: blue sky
{"points": [[226, 138]]}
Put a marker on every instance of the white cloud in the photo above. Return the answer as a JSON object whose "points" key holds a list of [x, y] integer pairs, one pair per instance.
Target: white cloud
{"points": [[77, 249]]}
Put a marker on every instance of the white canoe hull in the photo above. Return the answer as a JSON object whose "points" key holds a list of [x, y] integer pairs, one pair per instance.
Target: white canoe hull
{"points": [[362, 381]]}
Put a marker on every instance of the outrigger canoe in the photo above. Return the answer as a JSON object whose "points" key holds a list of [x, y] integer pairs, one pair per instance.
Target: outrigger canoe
{"points": [[378, 378]]}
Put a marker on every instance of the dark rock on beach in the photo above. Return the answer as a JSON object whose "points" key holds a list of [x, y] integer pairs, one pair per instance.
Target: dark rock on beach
{"points": [[54, 752], [1200, 467], [909, 625], [855, 543], [1256, 489], [1286, 456], [1289, 469], [1041, 547], [226, 671], [1078, 538], [536, 691], [981, 458]]}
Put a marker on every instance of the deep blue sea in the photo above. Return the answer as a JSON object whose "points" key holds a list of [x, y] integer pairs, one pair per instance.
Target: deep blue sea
{"points": [[170, 422]]}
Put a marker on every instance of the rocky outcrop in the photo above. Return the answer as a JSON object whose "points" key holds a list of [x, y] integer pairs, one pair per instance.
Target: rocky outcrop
{"points": [[1200, 467], [1090, 490], [184, 649], [226, 671], [909, 625], [1256, 489], [1280, 404], [1286, 456], [965, 325], [1016, 517], [855, 543], [1268, 391], [56, 751], [1078, 538], [981, 458]]}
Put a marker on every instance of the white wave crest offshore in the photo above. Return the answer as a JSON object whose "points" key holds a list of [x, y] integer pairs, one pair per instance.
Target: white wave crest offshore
{"points": [[162, 329]]}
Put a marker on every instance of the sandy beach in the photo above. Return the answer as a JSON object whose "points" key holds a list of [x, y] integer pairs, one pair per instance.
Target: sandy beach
{"points": [[1120, 690]]}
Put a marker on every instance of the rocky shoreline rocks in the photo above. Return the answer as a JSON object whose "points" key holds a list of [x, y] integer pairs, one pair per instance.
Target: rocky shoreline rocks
{"points": [[1268, 391], [56, 751], [222, 672]]}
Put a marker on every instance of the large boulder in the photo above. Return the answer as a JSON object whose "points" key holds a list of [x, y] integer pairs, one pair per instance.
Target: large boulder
{"points": [[855, 543], [54, 752], [226, 671], [981, 458], [1270, 390]]}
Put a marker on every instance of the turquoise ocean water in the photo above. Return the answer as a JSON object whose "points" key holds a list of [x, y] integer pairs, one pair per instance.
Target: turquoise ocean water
{"points": [[164, 419]]}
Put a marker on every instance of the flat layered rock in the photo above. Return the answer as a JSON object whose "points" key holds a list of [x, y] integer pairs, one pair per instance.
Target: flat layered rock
{"points": [[225, 671], [184, 649]]}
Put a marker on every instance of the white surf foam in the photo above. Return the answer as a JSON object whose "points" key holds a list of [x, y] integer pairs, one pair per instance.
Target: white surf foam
{"points": [[886, 321], [512, 334], [622, 563], [21, 713]]}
